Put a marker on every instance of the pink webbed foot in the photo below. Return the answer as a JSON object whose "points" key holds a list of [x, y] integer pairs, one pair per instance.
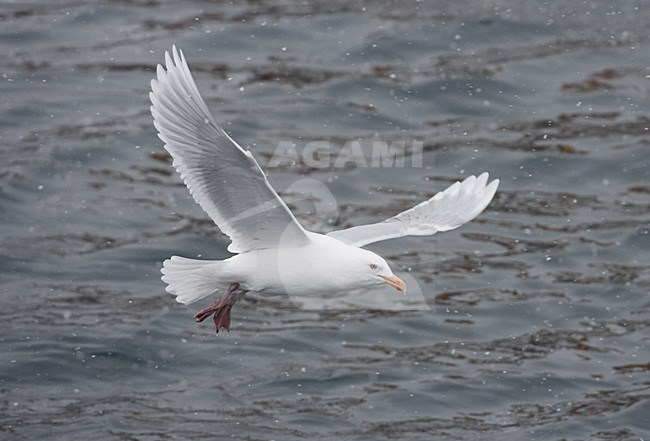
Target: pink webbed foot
{"points": [[221, 308], [222, 318]]}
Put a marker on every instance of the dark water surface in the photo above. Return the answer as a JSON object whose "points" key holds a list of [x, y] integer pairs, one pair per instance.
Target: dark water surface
{"points": [[538, 327]]}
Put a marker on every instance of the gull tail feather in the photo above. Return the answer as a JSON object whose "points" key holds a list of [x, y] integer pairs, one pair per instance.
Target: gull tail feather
{"points": [[189, 280]]}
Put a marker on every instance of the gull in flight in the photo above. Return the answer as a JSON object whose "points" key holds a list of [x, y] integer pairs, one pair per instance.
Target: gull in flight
{"points": [[273, 253]]}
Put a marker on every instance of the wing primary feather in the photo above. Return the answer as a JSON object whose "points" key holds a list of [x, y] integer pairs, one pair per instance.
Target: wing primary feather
{"points": [[446, 210], [224, 179]]}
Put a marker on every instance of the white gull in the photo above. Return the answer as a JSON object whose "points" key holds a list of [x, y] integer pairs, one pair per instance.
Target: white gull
{"points": [[273, 252]]}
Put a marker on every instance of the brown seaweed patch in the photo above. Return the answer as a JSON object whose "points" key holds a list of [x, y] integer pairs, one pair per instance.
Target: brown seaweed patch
{"points": [[588, 85], [602, 225], [153, 170], [593, 404], [161, 157], [609, 273], [150, 176], [87, 243], [632, 368], [117, 67], [61, 244], [82, 305], [291, 75], [429, 427], [520, 245], [639, 189], [569, 149], [561, 148], [460, 321], [557, 134], [514, 350], [96, 130], [602, 79], [187, 22], [541, 203], [474, 297]]}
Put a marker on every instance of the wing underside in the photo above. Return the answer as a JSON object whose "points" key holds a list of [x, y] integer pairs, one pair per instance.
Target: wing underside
{"points": [[449, 209], [224, 179]]}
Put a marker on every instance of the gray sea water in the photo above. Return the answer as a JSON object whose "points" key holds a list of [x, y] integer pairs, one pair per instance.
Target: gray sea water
{"points": [[537, 326]]}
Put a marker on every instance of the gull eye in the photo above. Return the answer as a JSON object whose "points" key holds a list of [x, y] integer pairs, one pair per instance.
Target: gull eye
{"points": [[373, 266]]}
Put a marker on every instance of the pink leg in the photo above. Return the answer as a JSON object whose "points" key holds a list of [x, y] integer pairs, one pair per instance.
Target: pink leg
{"points": [[221, 308]]}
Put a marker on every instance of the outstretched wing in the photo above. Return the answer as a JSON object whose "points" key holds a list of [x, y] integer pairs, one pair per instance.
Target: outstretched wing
{"points": [[224, 179], [449, 209]]}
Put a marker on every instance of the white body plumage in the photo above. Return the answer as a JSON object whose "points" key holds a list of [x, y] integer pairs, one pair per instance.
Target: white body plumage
{"points": [[275, 254]]}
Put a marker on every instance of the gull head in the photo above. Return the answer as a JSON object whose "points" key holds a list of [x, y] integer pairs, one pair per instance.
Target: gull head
{"points": [[373, 270]]}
